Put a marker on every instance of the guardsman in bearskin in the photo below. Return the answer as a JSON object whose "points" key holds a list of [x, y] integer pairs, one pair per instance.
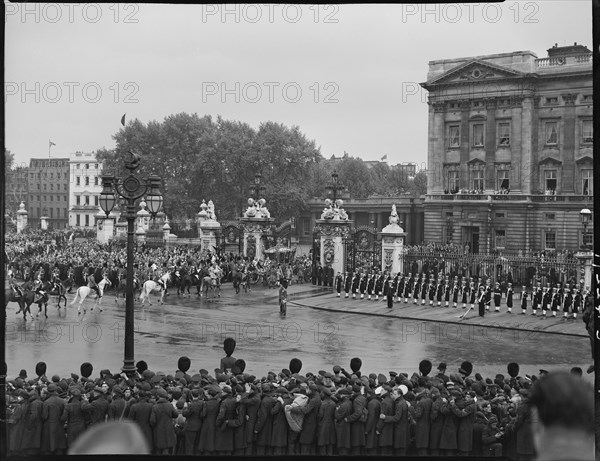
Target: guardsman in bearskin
{"points": [[568, 301], [439, 290], [355, 284], [546, 301], [378, 286], [481, 300], [455, 291], [370, 285], [400, 288], [424, 289], [497, 297], [536, 298], [362, 287], [464, 293], [408, 286], [347, 283], [447, 290], [339, 282], [509, 298], [524, 296], [431, 290], [577, 302], [555, 301], [417, 288], [472, 294], [488, 295]]}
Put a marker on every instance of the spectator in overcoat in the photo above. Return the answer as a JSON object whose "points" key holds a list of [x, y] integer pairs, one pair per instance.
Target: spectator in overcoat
{"points": [[33, 439], [206, 441], [97, 406], [465, 425], [373, 412], [224, 431], [357, 420], [238, 423], [194, 413], [264, 422], [161, 419], [436, 422], [448, 440], [17, 441], [140, 413], [325, 426], [73, 416], [53, 433], [251, 400], [308, 435], [343, 434], [279, 433], [400, 421], [116, 408], [384, 428]]}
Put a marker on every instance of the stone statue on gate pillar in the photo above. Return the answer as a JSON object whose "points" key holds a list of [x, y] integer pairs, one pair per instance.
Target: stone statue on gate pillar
{"points": [[21, 218], [392, 244], [208, 226]]}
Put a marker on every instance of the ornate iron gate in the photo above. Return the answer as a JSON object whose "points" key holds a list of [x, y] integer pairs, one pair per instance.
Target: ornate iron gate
{"points": [[362, 250], [232, 240]]}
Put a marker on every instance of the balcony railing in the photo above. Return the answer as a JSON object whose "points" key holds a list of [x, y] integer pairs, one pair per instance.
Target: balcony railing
{"points": [[563, 60], [511, 197]]}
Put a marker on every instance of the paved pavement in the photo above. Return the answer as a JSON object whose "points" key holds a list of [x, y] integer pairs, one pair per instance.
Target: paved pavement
{"points": [[409, 311]]}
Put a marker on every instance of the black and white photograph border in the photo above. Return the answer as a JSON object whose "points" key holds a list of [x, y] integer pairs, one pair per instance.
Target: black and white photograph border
{"points": [[293, 229]]}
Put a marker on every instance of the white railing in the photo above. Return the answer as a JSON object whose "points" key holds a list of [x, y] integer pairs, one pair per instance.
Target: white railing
{"points": [[563, 60]]}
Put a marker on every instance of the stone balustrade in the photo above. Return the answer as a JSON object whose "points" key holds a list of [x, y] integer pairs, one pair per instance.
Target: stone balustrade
{"points": [[563, 60]]}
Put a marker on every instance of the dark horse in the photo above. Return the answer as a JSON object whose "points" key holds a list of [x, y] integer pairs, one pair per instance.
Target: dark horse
{"points": [[58, 289], [239, 280], [185, 281], [120, 283], [28, 299]]}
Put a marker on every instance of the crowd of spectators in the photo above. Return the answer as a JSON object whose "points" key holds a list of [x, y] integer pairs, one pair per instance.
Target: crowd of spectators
{"points": [[338, 412]]}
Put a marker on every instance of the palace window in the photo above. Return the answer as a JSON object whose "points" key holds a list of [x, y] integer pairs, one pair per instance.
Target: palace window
{"points": [[551, 133], [587, 238], [550, 240], [78, 220], [51, 213], [95, 180], [454, 136], [477, 179], [478, 135], [502, 180], [87, 166], [96, 200], [44, 186], [503, 134], [87, 180], [51, 186], [77, 166], [87, 199], [78, 181], [65, 213], [453, 182], [550, 177], [587, 182], [587, 132], [87, 220], [78, 199], [550, 216], [553, 100], [500, 239]]}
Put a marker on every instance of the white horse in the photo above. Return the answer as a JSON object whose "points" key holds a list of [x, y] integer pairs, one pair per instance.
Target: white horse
{"points": [[83, 292], [150, 286]]}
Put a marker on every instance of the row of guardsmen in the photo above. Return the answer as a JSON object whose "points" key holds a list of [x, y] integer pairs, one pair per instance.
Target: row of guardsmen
{"points": [[421, 288]]}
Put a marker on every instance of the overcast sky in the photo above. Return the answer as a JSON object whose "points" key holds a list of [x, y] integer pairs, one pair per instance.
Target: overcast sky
{"points": [[346, 75]]}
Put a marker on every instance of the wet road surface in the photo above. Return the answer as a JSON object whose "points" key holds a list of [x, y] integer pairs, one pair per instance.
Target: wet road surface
{"points": [[266, 341]]}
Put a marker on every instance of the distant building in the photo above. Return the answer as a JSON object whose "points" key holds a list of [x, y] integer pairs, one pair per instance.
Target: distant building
{"points": [[86, 185], [16, 190], [510, 150], [48, 186]]}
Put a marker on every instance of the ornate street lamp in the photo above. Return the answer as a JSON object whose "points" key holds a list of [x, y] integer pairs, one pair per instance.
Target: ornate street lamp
{"points": [[257, 189], [334, 185], [586, 216], [130, 188]]}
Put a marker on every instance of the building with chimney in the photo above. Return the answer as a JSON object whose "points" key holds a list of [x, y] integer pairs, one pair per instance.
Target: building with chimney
{"points": [[510, 150]]}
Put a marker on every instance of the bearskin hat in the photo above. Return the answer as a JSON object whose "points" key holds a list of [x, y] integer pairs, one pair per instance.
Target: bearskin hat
{"points": [[40, 368], [141, 366], [355, 364], [229, 346], [295, 365], [513, 369], [240, 364], [86, 369], [425, 367], [466, 367], [184, 364]]}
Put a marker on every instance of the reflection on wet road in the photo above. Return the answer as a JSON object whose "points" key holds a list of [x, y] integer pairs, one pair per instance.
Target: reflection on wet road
{"points": [[266, 341]]}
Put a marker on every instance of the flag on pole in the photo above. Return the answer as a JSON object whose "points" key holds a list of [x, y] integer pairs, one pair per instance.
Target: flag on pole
{"points": [[51, 144], [384, 157], [123, 119]]}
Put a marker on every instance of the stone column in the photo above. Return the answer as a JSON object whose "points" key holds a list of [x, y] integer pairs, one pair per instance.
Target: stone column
{"points": [[140, 235], [143, 217], [166, 228], [393, 238], [208, 227], [104, 227], [333, 232], [585, 261], [21, 218]]}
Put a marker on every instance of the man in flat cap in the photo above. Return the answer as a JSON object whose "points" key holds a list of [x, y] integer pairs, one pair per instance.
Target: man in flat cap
{"points": [[53, 432], [385, 430], [96, 405], [193, 413]]}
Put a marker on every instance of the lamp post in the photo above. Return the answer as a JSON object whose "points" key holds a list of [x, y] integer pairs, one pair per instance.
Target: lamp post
{"points": [[334, 185], [586, 216], [130, 188], [256, 189]]}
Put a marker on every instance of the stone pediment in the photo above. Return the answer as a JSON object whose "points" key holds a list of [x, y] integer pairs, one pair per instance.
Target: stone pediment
{"points": [[550, 161], [584, 159], [475, 162], [474, 71]]}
